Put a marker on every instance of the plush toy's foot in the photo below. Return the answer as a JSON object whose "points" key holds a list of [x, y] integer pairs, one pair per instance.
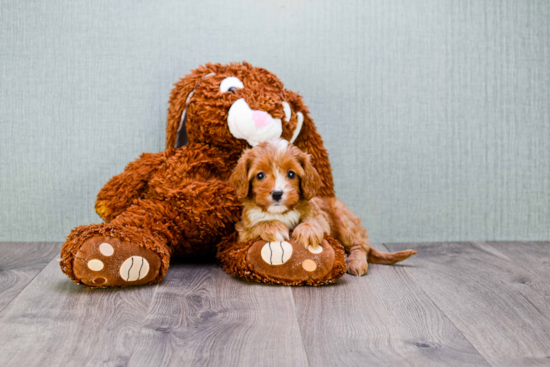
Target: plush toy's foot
{"points": [[290, 262], [286, 262], [105, 261], [100, 256]]}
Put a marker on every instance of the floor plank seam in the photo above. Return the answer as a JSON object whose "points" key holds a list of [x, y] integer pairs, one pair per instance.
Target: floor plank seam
{"points": [[157, 286], [56, 258], [512, 260], [443, 313], [298, 323]]}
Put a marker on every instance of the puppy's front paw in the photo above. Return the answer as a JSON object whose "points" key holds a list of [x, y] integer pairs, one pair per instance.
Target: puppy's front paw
{"points": [[276, 232], [357, 263], [308, 234]]}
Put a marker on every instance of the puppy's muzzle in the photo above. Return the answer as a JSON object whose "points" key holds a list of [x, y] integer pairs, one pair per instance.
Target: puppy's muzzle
{"points": [[277, 195]]}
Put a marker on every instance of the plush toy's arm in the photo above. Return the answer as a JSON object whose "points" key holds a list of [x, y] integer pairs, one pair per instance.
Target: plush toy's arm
{"points": [[121, 190]]}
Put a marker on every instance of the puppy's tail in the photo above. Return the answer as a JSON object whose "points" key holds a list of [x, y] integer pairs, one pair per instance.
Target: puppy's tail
{"points": [[378, 257]]}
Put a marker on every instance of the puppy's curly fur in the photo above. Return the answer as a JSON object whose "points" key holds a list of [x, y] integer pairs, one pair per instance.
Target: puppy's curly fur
{"points": [[277, 184]]}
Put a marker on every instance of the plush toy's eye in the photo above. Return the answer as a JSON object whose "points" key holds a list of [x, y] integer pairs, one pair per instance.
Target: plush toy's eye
{"points": [[291, 174], [231, 84], [260, 176]]}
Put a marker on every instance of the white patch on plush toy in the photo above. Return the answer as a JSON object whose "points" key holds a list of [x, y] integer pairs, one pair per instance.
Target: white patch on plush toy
{"points": [[300, 117], [134, 268], [281, 144], [184, 113], [95, 265], [253, 126], [276, 253], [315, 250], [287, 110], [106, 249]]}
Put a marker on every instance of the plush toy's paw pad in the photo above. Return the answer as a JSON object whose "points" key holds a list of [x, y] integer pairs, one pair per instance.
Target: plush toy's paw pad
{"points": [[276, 253], [110, 262], [134, 268], [315, 250], [309, 265], [289, 262]]}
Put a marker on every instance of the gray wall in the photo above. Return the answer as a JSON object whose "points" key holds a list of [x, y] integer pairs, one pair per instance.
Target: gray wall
{"points": [[436, 113]]}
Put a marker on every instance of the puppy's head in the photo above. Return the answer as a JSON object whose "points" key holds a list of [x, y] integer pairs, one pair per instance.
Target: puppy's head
{"points": [[276, 176]]}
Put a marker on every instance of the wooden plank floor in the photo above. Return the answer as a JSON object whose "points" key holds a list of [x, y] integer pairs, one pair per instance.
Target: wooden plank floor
{"points": [[454, 304]]}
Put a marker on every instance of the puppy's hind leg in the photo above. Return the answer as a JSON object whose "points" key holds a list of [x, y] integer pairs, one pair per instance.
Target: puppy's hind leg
{"points": [[346, 227]]}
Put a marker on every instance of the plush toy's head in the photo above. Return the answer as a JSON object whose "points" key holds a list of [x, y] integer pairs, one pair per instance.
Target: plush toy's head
{"points": [[236, 106], [232, 106]]}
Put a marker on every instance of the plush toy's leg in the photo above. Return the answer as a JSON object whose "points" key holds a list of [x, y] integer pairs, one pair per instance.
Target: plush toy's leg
{"points": [[130, 250], [285, 262]]}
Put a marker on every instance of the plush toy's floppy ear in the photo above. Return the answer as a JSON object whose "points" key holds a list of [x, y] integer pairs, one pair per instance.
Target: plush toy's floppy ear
{"points": [[177, 114], [309, 141], [310, 182], [176, 132], [239, 177]]}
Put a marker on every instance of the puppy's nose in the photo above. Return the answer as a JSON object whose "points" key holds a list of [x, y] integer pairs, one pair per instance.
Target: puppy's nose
{"points": [[276, 195], [261, 118]]}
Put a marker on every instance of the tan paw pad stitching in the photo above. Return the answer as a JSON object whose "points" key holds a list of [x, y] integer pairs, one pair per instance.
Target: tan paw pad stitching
{"points": [[134, 268], [276, 253]]}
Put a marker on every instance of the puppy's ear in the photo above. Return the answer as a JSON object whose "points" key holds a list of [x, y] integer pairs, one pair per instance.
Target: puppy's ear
{"points": [[310, 182], [239, 177]]}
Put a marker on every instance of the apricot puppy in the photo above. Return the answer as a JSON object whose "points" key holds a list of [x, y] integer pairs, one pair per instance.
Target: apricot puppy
{"points": [[277, 185]]}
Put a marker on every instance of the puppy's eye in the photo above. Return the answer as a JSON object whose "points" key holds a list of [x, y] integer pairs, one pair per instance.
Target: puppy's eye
{"points": [[260, 176], [291, 174], [232, 89]]}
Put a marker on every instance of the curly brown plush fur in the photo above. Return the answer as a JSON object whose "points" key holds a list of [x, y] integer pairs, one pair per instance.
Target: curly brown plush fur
{"points": [[179, 201]]}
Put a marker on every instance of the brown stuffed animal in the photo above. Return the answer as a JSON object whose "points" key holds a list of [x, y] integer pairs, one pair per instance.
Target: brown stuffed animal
{"points": [[179, 201]]}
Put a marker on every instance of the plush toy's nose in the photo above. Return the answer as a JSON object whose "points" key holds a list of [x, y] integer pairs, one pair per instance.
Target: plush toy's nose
{"points": [[261, 118]]}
